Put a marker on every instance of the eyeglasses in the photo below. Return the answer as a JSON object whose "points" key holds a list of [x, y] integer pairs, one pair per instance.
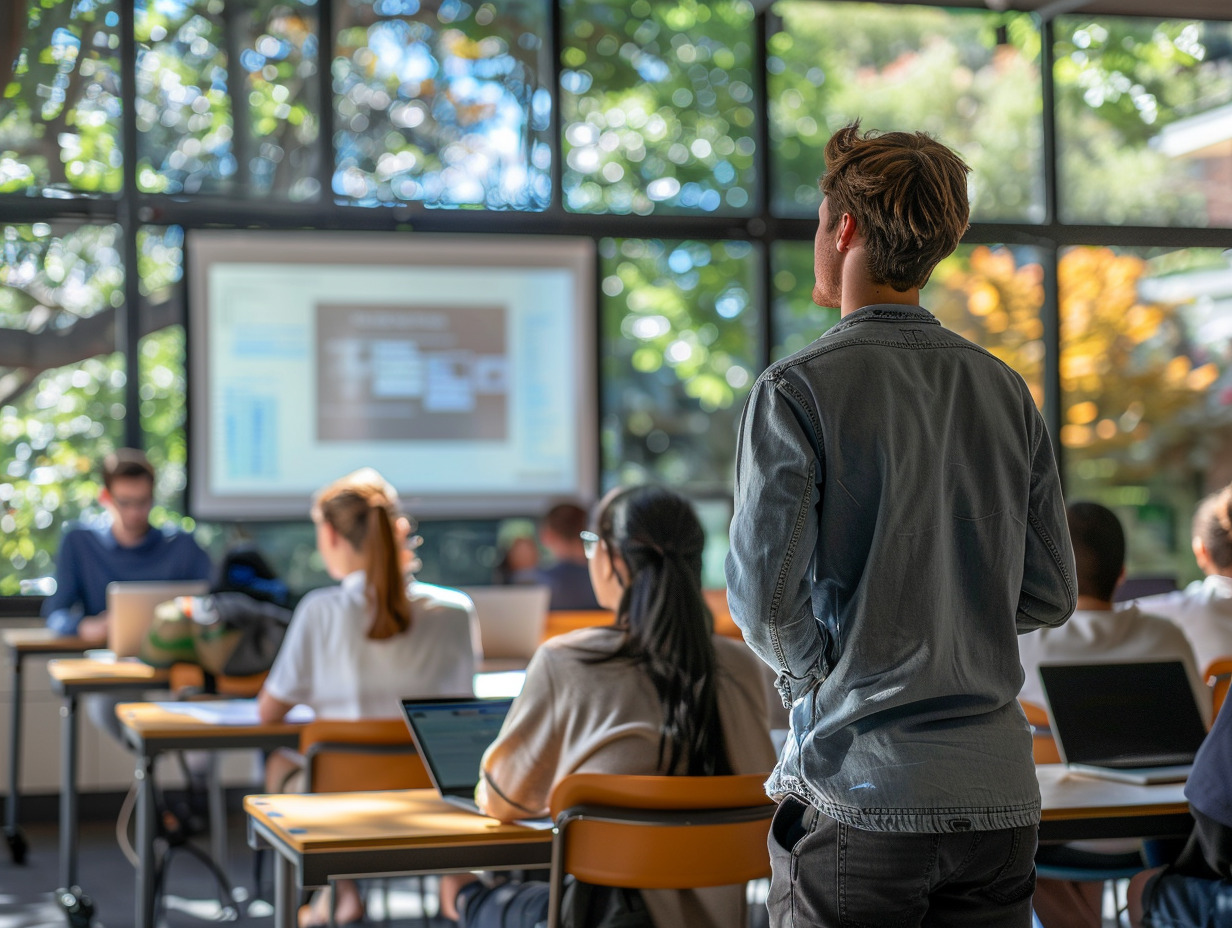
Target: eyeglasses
{"points": [[133, 505], [590, 543]]}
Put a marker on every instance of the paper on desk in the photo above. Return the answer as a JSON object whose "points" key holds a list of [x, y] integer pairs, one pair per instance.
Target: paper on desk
{"points": [[232, 712]]}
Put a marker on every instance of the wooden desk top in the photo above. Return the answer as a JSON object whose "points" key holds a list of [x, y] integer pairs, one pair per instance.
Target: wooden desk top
{"points": [[1070, 796], [152, 719], [86, 672], [44, 641], [392, 819]]}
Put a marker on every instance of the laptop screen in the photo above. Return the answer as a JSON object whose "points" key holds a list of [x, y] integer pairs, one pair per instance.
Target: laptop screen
{"points": [[451, 736], [1114, 713]]}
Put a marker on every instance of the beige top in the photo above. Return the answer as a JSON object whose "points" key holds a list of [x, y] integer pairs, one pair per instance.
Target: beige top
{"points": [[580, 717]]}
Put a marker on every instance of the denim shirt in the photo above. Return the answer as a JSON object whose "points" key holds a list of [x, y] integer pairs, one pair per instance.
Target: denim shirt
{"points": [[898, 522]]}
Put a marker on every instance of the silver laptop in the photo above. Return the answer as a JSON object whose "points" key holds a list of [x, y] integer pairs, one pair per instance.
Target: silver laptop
{"points": [[451, 736], [511, 621], [1135, 722], [130, 609]]}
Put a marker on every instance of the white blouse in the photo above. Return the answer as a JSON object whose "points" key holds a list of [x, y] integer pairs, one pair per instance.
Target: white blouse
{"points": [[328, 662], [1203, 611]]}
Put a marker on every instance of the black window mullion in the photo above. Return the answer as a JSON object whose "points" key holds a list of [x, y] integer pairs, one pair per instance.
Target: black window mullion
{"points": [[128, 321]]}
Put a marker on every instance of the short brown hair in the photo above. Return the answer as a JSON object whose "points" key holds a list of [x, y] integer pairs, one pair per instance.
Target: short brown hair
{"points": [[1213, 525], [567, 520], [125, 463], [1099, 548], [908, 195]]}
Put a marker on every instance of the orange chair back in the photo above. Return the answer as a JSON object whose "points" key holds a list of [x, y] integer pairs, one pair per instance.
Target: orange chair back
{"points": [[661, 832], [1218, 676], [369, 754], [561, 621], [1043, 745], [723, 624]]}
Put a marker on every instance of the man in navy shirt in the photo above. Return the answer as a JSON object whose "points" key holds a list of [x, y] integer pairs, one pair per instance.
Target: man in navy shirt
{"points": [[125, 548]]}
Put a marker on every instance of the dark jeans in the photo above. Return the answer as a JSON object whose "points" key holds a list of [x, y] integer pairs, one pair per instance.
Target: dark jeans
{"points": [[829, 875]]}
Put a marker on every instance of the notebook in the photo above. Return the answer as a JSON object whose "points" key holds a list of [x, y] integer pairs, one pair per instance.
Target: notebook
{"points": [[1134, 722], [511, 620], [451, 736], [130, 609]]}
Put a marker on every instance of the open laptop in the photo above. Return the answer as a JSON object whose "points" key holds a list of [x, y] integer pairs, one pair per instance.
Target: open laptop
{"points": [[511, 621], [130, 609], [1135, 722], [451, 736]]}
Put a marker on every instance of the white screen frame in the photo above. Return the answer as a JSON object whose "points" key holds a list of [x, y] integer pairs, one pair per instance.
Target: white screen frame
{"points": [[204, 249]]}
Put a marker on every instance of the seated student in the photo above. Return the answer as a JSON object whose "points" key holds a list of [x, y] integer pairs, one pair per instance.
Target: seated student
{"points": [[1203, 610], [1196, 890], [1095, 633], [654, 693], [124, 547], [567, 577], [353, 651]]}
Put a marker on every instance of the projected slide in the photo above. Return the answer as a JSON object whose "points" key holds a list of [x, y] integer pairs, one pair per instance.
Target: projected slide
{"points": [[464, 373], [411, 373]]}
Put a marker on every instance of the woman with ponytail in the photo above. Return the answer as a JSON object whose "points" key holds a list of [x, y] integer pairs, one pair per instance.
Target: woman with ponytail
{"points": [[654, 693], [1203, 610], [354, 650]]}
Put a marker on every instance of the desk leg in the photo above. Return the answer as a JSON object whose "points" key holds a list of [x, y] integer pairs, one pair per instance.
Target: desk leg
{"points": [[286, 894], [68, 792], [145, 840], [12, 831], [218, 811]]}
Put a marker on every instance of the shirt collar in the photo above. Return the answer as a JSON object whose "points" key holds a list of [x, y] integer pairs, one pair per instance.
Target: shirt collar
{"points": [[887, 312], [354, 582]]}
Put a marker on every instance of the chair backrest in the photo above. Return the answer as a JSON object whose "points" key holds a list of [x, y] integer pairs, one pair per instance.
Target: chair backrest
{"points": [[1043, 745], [368, 754], [1218, 675], [658, 832], [191, 678]]}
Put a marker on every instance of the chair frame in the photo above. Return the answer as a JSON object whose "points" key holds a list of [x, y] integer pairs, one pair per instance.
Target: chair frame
{"points": [[640, 817]]}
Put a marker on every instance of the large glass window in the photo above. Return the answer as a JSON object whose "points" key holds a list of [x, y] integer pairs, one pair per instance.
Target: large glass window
{"points": [[1144, 121], [227, 98], [680, 350], [657, 106], [1146, 374], [60, 103], [969, 78], [443, 103], [61, 387]]}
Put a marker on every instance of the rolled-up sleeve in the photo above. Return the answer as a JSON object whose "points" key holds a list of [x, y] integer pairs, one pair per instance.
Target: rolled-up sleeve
{"points": [[774, 538]]}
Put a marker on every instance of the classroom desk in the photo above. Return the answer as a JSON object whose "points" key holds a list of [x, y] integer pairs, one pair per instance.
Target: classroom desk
{"points": [[72, 679], [21, 643], [322, 836], [1078, 808], [326, 836], [151, 729]]}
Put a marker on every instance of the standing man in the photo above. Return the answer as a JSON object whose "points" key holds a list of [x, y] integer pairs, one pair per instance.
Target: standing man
{"points": [[898, 521], [124, 548]]}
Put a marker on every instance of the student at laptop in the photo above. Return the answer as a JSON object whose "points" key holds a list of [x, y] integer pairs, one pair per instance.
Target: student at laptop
{"points": [[1096, 633], [567, 576], [353, 650], [1196, 890], [123, 547], [654, 693], [1203, 610]]}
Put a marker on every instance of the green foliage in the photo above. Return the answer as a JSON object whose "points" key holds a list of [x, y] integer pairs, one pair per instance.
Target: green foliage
{"points": [[680, 352], [656, 102], [1120, 84], [908, 68]]}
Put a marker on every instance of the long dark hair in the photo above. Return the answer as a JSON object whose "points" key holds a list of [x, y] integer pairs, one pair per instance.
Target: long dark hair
{"points": [[668, 627]]}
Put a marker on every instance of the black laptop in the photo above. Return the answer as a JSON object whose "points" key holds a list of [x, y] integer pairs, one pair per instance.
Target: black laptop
{"points": [[1135, 722], [451, 736]]}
